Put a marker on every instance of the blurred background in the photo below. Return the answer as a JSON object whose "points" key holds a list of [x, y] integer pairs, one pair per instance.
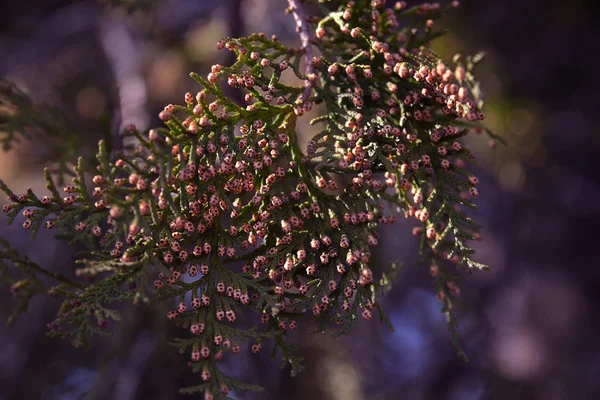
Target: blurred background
{"points": [[530, 327]]}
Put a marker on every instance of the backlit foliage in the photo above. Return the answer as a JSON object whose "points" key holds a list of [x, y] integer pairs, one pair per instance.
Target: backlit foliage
{"points": [[222, 213]]}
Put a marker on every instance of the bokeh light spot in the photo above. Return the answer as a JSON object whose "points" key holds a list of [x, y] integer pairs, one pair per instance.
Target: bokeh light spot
{"points": [[512, 175], [520, 355], [90, 102], [519, 121]]}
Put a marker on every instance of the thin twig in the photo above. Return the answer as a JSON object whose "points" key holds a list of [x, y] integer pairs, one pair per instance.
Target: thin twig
{"points": [[237, 28], [54, 275], [305, 38], [26, 263]]}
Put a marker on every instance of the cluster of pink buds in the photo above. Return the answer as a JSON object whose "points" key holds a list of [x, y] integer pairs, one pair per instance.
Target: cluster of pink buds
{"points": [[225, 212]]}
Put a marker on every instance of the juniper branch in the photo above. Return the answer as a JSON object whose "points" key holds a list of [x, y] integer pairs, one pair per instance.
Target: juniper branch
{"points": [[226, 184]]}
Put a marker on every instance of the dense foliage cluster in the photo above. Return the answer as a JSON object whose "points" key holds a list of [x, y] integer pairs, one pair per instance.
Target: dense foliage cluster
{"points": [[223, 214]]}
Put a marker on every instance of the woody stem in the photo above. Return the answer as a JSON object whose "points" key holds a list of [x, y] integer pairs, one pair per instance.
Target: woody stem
{"points": [[305, 38]]}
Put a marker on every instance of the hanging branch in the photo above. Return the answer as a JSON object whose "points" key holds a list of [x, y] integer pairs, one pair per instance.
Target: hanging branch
{"points": [[225, 196]]}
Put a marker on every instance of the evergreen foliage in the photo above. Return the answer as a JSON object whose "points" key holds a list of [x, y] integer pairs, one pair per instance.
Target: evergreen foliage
{"points": [[21, 118], [224, 215]]}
